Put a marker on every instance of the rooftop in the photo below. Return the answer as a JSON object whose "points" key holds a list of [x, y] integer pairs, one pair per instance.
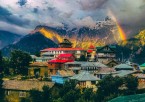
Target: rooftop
{"points": [[143, 65], [84, 76], [85, 64], [59, 61], [63, 58], [25, 85], [91, 47], [62, 49], [65, 73], [130, 98], [123, 73], [106, 71], [123, 66]]}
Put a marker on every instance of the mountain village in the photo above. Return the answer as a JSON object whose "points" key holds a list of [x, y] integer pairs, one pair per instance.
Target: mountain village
{"points": [[65, 63]]}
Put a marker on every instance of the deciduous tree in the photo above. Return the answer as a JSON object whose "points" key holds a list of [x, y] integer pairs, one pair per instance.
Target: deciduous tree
{"points": [[20, 61]]}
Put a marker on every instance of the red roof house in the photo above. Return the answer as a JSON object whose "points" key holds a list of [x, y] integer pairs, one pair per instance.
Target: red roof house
{"points": [[58, 63]]}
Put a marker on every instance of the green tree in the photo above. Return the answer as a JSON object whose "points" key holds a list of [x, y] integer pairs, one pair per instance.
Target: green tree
{"points": [[1, 62], [46, 94], [35, 95], [19, 61], [71, 96], [68, 85], [82, 58], [1, 88], [88, 94], [6, 65], [131, 83], [108, 86]]}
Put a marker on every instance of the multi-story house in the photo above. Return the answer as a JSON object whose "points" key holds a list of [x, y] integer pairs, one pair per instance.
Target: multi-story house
{"points": [[64, 48], [106, 53]]}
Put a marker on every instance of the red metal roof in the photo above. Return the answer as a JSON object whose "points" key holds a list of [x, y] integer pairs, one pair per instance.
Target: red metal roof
{"points": [[91, 47], [63, 58], [61, 49], [59, 61], [66, 55], [89, 51]]}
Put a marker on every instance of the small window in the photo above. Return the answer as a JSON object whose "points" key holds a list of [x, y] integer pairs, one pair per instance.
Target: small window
{"points": [[22, 94], [51, 70], [93, 82]]}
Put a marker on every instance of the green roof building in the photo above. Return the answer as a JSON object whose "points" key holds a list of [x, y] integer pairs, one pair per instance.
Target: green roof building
{"points": [[142, 67], [130, 98], [106, 53]]}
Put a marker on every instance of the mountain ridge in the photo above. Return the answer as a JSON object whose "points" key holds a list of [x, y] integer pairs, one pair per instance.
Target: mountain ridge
{"points": [[7, 38]]}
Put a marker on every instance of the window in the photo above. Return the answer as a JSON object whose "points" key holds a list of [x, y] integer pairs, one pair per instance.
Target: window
{"points": [[7, 92], [51, 70], [93, 82], [22, 94]]}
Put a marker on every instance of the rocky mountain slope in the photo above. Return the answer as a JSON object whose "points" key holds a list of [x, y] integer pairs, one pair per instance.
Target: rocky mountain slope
{"points": [[81, 37]]}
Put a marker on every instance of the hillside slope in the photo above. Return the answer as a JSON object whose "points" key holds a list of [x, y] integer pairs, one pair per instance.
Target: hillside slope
{"points": [[31, 43], [7, 38]]}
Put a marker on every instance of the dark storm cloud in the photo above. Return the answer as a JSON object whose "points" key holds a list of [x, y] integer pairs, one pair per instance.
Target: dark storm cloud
{"points": [[4, 12], [35, 10], [73, 13], [7, 16], [22, 2]]}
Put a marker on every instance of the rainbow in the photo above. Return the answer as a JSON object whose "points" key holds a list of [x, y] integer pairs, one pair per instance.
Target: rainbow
{"points": [[120, 29]]}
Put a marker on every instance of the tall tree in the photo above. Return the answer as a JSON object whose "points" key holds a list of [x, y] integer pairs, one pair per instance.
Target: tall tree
{"points": [[6, 66], [131, 83], [35, 95], [108, 86], [20, 61], [1, 88], [46, 95], [82, 58], [1, 62]]}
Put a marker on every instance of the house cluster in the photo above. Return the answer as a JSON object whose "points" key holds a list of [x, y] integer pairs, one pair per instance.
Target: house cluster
{"points": [[86, 67]]}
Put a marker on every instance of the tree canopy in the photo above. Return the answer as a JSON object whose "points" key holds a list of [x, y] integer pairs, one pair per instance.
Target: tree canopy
{"points": [[20, 61]]}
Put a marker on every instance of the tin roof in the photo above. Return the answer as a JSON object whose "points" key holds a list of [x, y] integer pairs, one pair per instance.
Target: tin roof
{"points": [[123, 66], [84, 76], [87, 64]]}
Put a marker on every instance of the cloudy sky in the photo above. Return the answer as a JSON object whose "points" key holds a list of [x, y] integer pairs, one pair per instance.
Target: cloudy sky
{"points": [[22, 17]]}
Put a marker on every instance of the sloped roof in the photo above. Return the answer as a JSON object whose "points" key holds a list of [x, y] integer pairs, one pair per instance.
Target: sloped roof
{"points": [[25, 85], [66, 41], [62, 49], [106, 71], [66, 73], [59, 61], [89, 51], [39, 64], [123, 73], [84, 76], [85, 64], [91, 47], [143, 65], [123, 66]]}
